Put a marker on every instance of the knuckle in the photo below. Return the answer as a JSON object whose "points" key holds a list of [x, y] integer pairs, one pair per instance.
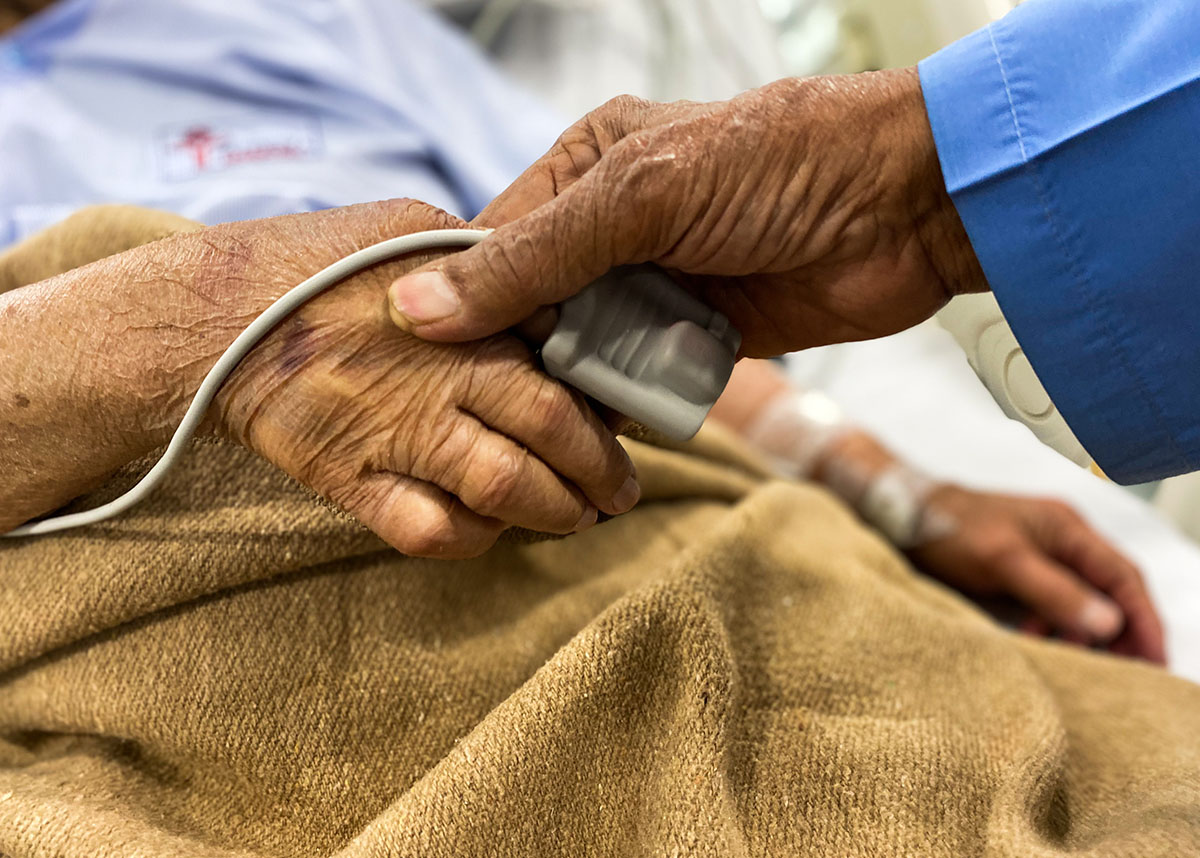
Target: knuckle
{"points": [[485, 385], [399, 215], [554, 408], [404, 213], [491, 367], [618, 107], [435, 450], [438, 532], [500, 484], [576, 152], [505, 262], [431, 537], [643, 161], [581, 145]]}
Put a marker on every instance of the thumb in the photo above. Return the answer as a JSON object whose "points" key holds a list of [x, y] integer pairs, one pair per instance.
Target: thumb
{"points": [[539, 259]]}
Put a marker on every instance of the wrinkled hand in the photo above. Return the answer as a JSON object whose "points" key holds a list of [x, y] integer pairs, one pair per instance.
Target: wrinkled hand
{"points": [[437, 448], [808, 211], [1045, 556]]}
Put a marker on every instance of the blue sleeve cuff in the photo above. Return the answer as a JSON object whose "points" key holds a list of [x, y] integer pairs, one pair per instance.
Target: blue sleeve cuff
{"points": [[1085, 225]]}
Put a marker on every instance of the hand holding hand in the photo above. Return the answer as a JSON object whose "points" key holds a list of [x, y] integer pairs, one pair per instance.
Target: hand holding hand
{"points": [[437, 448], [808, 211]]}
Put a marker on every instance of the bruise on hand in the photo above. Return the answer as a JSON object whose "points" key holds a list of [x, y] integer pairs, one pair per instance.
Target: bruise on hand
{"points": [[297, 347]]}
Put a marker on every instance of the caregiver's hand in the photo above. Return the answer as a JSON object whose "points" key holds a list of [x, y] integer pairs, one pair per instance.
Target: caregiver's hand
{"points": [[808, 211], [436, 448], [1041, 553]]}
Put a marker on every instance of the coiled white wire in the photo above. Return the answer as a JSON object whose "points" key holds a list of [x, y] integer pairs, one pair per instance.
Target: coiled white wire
{"points": [[240, 347]]}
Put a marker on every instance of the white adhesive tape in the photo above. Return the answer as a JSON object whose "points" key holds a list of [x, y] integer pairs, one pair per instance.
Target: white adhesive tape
{"points": [[796, 429]]}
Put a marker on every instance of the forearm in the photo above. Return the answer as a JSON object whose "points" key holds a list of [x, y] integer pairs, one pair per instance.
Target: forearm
{"points": [[753, 385], [805, 435], [811, 444], [98, 364]]}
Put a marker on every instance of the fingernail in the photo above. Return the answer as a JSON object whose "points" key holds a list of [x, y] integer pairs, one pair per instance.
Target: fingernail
{"points": [[1101, 619], [626, 496], [589, 517], [424, 298]]}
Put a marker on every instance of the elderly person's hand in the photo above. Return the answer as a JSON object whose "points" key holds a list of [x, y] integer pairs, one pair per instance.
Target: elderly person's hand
{"points": [[437, 448], [808, 211], [1041, 554]]}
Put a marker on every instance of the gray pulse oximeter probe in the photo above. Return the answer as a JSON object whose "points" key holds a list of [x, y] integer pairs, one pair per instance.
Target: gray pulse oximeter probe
{"points": [[637, 342]]}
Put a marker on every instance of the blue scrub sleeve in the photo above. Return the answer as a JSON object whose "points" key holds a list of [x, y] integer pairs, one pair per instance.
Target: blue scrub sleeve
{"points": [[1069, 139]]}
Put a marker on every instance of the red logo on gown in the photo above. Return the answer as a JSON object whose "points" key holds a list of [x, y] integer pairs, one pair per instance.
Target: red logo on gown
{"points": [[200, 142], [195, 148]]}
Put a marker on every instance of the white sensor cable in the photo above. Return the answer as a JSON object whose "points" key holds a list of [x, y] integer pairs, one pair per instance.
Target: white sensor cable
{"points": [[247, 340]]}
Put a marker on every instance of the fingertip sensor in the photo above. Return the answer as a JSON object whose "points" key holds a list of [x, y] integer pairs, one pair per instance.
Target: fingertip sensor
{"points": [[637, 342]]}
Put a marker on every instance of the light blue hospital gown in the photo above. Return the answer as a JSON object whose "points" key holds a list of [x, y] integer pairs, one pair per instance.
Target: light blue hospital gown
{"points": [[232, 109]]}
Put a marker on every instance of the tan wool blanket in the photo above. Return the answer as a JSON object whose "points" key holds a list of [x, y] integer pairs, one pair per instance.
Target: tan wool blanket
{"points": [[735, 668]]}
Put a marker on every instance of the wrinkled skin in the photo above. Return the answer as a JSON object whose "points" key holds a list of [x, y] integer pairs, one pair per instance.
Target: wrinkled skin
{"points": [[434, 447], [1043, 555], [808, 211], [437, 448]]}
